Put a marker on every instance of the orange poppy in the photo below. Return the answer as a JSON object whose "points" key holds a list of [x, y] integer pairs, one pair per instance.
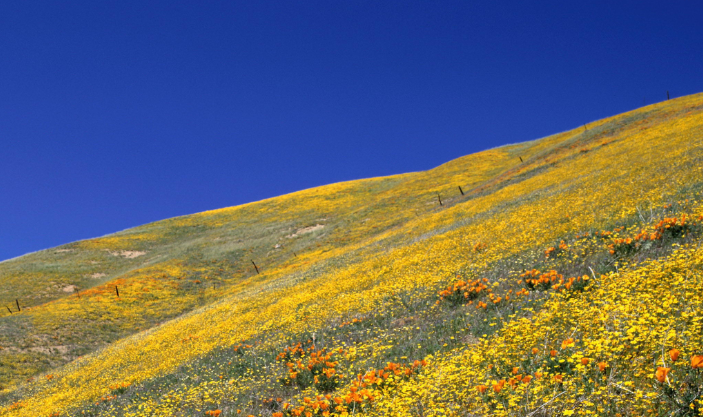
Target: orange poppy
{"points": [[697, 361], [661, 373], [674, 354], [602, 366], [482, 388], [585, 361], [498, 386]]}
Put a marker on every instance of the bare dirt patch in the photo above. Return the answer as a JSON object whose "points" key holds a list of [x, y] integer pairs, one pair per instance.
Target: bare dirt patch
{"points": [[129, 254], [306, 230], [69, 288], [97, 275]]}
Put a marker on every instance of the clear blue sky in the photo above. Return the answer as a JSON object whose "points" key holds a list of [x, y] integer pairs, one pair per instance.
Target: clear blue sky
{"points": [[118, 113]]}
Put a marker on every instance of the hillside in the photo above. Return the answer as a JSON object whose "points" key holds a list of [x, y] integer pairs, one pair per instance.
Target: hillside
{"points": [[560, 276]]}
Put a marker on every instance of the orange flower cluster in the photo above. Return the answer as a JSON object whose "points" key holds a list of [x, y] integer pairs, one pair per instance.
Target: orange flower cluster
{"points": [[512, 382], [533, 280], [573, 283], [16, 405], [214, 413], [527, 378], [271, 403], [296, 350], [686, 385], [462, 291], [241, 348], [355, 398], [350, 322], [675, 227], [551, 251], [672, 227], [106, 399], [480, 246], [519, 378], [495, 299], [630, 245], [121, 386], [319, 406], [361, 392], [318, 370], [380, 376]]}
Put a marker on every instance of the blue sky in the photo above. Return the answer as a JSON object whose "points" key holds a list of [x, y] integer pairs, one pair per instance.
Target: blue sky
{"points": [[118, 113]]}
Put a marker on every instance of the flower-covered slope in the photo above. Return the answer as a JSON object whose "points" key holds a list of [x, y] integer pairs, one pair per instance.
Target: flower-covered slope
{"points": [[563, 278]]}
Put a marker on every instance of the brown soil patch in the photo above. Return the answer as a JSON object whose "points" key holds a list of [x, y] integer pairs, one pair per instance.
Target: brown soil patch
{"points": [[129, 254], [306, 230], [69, 288]]}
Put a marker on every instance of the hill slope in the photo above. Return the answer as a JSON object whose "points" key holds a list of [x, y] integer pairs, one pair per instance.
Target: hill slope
{"points": [[397, 295]]}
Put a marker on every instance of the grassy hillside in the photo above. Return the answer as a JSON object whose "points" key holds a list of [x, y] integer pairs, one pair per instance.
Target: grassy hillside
{"points": [[562, 278]]}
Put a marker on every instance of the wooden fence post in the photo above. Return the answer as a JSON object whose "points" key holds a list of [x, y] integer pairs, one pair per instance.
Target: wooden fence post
{"points": [[461, 191], [255, 267], [18, 304]]}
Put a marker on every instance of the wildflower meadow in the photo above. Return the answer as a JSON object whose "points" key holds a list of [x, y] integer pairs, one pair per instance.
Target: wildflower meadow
{"points": [[560, 276]]}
